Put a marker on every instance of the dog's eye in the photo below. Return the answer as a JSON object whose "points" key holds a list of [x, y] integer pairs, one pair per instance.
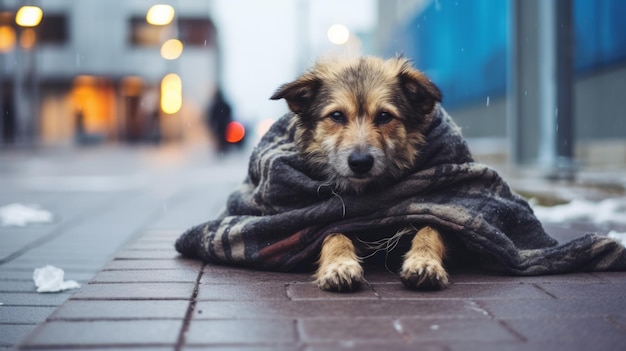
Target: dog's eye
{"points": [[337, 117], [383, 118]]}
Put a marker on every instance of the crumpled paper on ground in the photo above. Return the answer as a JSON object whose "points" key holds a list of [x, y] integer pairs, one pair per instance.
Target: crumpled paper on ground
{"points": [[20, 215], [50, 279]]}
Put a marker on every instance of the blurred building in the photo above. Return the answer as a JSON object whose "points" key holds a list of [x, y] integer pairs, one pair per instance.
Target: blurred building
{"points": [[467, 49], [98, 71]]}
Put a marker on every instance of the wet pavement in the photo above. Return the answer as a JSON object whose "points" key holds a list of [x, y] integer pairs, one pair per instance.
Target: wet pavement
{"points": [[118, 210]]}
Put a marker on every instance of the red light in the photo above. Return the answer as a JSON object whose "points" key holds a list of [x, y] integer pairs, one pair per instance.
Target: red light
{"points": [[235, 132]]}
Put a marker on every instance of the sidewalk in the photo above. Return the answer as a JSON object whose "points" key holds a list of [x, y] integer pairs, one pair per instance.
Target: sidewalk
{"points": [[148, 298]]}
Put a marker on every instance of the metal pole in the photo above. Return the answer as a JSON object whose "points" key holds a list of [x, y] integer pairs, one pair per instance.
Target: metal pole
{"points": [[565, 137], [541, 125]]}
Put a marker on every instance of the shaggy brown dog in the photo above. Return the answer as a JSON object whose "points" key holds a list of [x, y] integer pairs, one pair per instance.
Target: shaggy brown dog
{"points": [[361, 125]]}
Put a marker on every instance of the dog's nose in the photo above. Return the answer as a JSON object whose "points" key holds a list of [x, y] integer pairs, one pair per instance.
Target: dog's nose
{"points": [[360, 162]]}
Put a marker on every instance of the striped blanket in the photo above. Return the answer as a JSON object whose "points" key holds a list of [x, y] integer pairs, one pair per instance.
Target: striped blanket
{"points": [[278, 218]]}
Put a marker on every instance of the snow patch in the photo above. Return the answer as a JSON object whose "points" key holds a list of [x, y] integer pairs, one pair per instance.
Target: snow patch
{"points": [[51, 279], [620, 237], [608, 211], [20, 215]]}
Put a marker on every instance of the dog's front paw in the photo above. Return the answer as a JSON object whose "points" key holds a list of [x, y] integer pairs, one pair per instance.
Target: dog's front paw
{"points": [[339, 275], [423, 274]]}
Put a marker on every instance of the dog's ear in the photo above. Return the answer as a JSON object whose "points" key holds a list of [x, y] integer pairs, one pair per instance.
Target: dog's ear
{"points": [[299, 94], [421, 92]]}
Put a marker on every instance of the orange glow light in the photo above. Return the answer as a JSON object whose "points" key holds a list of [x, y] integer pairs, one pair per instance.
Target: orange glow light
{"points": [[7, 39], [28, 38], [235, 132]]}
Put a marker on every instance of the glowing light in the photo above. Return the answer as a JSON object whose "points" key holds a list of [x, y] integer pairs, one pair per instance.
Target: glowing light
{"points": [[28, 38], [235, 132], [263, 126], [28, 16], [7, 39], [338, 34], [171, 49], [160, 15], [171, 93]]}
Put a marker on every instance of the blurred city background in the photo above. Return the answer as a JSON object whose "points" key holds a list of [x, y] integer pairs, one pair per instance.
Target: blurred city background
{"points": [[536, 83]]}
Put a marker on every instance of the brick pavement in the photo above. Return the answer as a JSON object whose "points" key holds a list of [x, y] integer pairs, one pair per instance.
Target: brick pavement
{"points": [[100, 198], [148, 298]]}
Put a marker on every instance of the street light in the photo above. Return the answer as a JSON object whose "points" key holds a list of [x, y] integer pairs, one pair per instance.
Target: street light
{"points": [[171, 49], [160, 15], [171, 94], [338, 34], [28, 16]]}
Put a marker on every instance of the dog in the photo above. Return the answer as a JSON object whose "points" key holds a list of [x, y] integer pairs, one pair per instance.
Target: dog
{"points": [[360, 126]]}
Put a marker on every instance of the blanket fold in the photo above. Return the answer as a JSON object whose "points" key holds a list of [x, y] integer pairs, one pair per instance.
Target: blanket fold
{"points": [[278, 218]]}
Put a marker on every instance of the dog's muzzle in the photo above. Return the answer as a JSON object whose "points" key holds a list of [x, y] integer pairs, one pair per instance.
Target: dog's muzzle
{"points": [[360, 162]]}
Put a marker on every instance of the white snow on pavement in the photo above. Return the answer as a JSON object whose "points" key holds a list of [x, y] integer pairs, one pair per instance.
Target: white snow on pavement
{"points": [[20, 215], [608, 211]]}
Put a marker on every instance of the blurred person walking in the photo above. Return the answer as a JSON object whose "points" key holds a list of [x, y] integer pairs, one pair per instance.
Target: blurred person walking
{"points": [[219, 116]]}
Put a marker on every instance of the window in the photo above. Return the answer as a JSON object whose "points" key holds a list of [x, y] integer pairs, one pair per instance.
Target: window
{"points": [[53, 29]]}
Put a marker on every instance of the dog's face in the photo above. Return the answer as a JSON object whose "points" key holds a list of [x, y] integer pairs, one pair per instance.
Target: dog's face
{"points": [[361, 120]]}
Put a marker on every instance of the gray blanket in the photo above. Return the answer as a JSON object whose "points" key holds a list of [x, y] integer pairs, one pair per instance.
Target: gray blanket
{"points": [[278, 218]]}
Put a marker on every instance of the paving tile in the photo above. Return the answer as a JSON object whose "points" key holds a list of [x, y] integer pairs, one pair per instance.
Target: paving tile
{"points": [[24, 314], [552, 308], [349, 329], [478, 278], [104, 333], [146, 276], [257, 347], [531, 345], [585, 291], [12, 334], [614, 277], [456, 329], [121, 309], [67, 264], [10, 275], [337, 309], [461, 291], [214, 274], [596, 330], [139, 291], [34, 299], [375, 345], [273, 332], [18, 286], [177, 263], [618, 320], [6, 277], [147, 254], [308, 291], [152, 244], [379, 275], [162, 233], [235, 292], [106, 348]]}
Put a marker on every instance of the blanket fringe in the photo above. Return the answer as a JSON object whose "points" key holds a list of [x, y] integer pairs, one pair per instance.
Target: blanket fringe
{"points": [[386, 244]]}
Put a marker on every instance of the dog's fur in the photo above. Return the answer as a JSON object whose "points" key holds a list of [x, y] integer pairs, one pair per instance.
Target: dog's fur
{"points": [[361, 125]]}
